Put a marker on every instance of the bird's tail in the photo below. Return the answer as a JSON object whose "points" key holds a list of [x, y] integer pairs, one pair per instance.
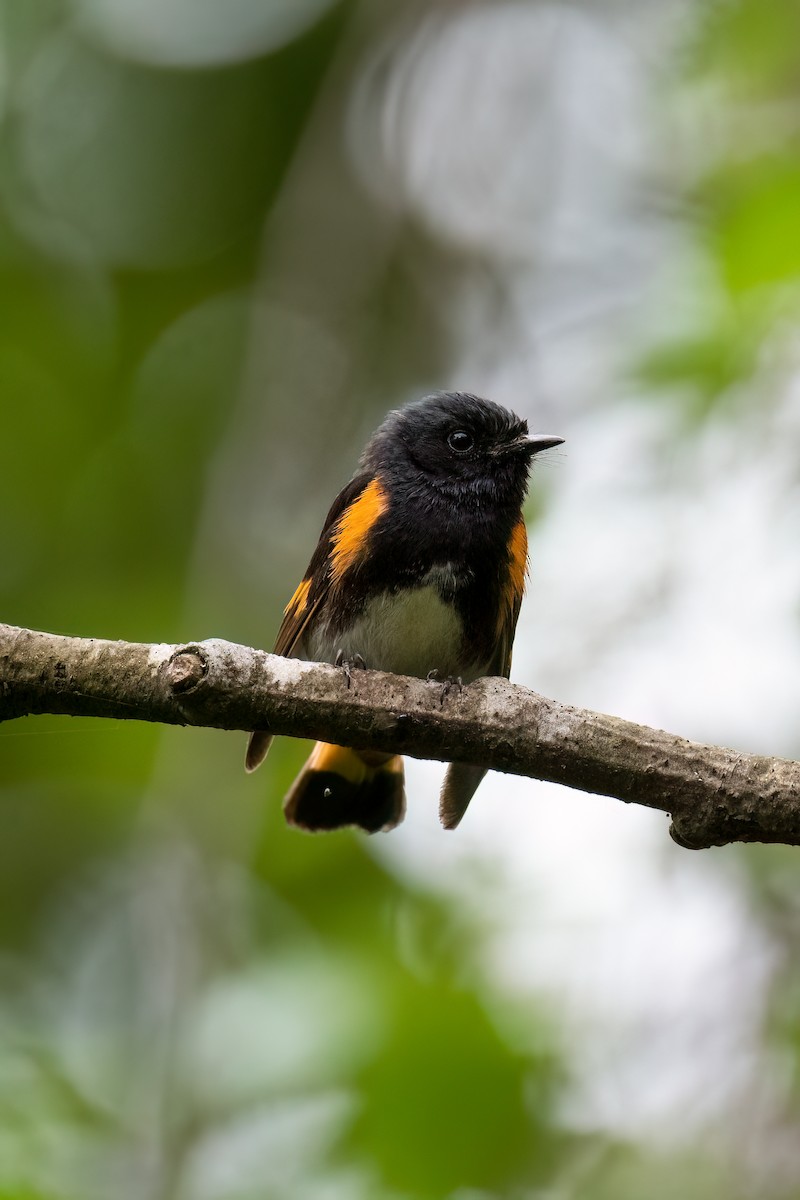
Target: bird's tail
{"points": [[339, 787], [460, 784], [257, 749]]}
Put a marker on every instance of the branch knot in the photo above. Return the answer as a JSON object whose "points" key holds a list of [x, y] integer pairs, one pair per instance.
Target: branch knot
{"points": [[186, 669]]}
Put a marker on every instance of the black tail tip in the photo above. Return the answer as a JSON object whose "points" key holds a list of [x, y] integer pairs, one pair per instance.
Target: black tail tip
{"points": [[321, 801]]}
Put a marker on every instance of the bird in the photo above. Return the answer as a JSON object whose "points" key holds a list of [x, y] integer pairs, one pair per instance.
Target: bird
{"points": [[419, 570]]}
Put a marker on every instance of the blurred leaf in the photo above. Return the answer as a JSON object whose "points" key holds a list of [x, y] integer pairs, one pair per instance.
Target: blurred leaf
{"points": [[52, 826], [123, 156], [445, 1104], [754, 227], [748, 43], [701, 368]]}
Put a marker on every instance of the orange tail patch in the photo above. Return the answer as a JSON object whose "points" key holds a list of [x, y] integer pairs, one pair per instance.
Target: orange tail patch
{"points": [[339, 787]]}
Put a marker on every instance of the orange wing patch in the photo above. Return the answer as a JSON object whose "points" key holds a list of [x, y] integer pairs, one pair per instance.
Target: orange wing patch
{"points": [[295, 616], [351, 531], [297, 605]]}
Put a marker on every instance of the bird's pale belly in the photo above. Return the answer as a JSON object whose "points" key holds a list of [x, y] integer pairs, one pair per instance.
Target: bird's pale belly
{"points": [[410, 632]]}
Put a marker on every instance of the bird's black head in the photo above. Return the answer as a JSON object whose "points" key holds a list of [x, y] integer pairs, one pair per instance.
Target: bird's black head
{"points": [[459, 445]]}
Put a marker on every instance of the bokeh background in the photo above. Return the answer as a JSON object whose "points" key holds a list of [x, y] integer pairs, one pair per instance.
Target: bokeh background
{"points": [[232, 235]]}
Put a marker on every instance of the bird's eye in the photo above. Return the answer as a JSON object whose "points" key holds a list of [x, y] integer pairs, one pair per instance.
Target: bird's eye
{"points": [[460, 441]]}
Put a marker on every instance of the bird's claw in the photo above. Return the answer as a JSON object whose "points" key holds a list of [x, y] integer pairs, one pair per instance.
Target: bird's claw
{"points": [[348, 665], [448, 685]]}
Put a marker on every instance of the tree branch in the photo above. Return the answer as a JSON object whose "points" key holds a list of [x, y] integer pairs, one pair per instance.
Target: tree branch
{"points": [[714, 795]]}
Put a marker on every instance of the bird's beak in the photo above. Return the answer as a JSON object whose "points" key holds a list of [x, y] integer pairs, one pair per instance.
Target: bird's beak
{"points": [[541, 441], [530, 445]]}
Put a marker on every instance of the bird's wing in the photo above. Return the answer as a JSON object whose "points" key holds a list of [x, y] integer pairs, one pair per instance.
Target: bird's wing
{"points": [[342, 536], [340, 541]]}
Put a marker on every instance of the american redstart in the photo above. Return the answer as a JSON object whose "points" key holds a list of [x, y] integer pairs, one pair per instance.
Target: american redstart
{"points": [[419, 570]]}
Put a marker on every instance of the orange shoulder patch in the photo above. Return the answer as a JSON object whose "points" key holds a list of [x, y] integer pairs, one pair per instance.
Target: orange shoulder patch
{"points": [[514, 586], [518, 560], [512, 593], [350, 534]]}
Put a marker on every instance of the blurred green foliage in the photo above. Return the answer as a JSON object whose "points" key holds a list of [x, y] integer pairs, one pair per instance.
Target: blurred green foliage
{"points": [[743, 176], [196, 1002]]}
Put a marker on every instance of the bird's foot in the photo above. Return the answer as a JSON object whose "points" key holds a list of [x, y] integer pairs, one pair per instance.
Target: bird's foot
{"points": [[450, 684], [348, 665]]}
